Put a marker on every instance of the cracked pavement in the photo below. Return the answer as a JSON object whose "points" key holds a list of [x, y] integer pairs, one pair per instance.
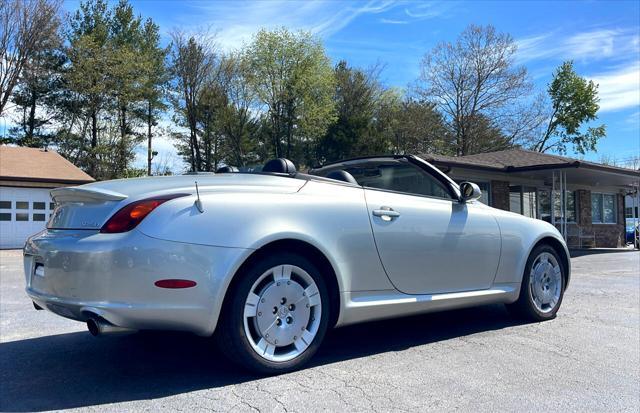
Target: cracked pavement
{"points": [[480, 359]]}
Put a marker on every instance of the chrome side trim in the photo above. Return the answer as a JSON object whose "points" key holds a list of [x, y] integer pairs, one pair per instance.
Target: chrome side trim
{"points": [[377, 305]]}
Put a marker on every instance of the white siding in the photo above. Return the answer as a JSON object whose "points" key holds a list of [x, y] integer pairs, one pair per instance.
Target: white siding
{"points": [[17, 224]]}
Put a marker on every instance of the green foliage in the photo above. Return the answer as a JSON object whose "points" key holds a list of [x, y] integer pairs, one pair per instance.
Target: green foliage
{"points": [[41, 85], [293, 80], [113, 80], [358, 97], [103, 93], [574, 103]]}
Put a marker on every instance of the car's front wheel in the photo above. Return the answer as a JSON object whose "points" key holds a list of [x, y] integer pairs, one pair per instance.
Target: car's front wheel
{"points": [[542, 286], [277, 314]]}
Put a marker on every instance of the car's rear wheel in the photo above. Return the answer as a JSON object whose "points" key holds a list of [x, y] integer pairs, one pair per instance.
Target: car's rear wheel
{"points": [[277, 314], [542, 286]]}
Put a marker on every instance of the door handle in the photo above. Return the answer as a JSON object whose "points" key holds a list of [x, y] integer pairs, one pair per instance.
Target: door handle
{"points": [[386, 213]]}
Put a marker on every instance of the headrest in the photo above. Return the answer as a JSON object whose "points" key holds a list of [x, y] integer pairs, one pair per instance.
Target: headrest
{"points": [[280, 165], [340, 175], [227, 169]]}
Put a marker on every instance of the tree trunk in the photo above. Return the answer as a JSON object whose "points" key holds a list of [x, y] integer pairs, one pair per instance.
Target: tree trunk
{"points": [[31, 123], [94, 143], [149, 152]]}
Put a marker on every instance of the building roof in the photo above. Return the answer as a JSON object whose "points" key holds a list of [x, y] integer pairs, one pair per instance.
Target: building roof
{"points": [[514, 160], [38, 165]]}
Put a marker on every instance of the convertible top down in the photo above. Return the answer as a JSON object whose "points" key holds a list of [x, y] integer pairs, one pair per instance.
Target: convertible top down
{"points": [[268, 261]]}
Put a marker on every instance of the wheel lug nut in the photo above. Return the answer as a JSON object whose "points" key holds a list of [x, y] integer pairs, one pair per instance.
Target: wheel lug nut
{"points": [[289, 320], [307, 305], [259, 314], [262, 301], [284, 300]]}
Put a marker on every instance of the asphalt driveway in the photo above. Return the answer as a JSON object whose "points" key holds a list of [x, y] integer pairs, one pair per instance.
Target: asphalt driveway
{"points": [[587, 359]]}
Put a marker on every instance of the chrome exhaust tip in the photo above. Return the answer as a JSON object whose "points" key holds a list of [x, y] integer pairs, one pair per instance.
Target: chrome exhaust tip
{"points": [[99, 326]]}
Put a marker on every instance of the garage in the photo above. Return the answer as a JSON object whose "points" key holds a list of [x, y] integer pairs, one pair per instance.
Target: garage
{"points": [[26, 177]]}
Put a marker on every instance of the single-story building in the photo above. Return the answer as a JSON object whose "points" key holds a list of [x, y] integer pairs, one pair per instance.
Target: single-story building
{"points": [[26, 177], [588, 202]]}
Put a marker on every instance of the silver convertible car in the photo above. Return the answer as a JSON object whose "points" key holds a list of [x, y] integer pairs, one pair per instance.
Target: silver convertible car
{"points": [[268, 261]]}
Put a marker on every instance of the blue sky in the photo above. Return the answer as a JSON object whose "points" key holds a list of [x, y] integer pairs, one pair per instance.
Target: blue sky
{"points": [[603, 39]]}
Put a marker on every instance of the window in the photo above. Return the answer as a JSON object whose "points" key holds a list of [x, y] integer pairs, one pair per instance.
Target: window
{"points": [[399, 177], [21, 216], [544, 205], [39, 205], [5, 216], [570, 199], [5, 204], [52, 205], [22, 205], [38, 217], [529, 202], [603, 208], [486, 190], [515, 199], [523, 200]]}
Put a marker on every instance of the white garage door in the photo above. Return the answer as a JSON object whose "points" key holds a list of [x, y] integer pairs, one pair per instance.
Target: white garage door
{"points": [[23, 212]]}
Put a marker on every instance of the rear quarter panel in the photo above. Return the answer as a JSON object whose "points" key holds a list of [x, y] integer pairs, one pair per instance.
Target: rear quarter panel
{"points": [[331, 217], [519, 236]]}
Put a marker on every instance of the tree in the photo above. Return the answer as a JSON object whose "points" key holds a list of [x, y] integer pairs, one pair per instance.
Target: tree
{"points": [[109, 79], [417, 127], [237, 121], [155, 78], [293, 80], [125, 38], [193, 60], [26, 28], [474, 83], [574, 102], [355, 133], [35, 95], [89, 75]]}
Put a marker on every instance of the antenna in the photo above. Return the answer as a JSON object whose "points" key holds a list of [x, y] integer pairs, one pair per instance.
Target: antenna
{"points": [[198, 202]]}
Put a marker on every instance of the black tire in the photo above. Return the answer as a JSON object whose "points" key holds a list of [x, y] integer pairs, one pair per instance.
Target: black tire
{"points": [[230, 334], [524, 307]]}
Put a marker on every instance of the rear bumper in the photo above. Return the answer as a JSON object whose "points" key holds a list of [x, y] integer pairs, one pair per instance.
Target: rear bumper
{"points": [[89, 274]]}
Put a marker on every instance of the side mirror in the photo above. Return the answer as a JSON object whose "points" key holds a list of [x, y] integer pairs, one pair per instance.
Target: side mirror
{"points": [[469, 191]]}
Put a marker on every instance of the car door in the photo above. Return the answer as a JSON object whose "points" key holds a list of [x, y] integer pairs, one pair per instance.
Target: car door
{"points": [[428, 242]]}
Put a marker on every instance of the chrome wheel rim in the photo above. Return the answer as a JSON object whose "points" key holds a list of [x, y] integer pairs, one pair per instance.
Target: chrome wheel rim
{"points": [[545, 282], [282, 313]]}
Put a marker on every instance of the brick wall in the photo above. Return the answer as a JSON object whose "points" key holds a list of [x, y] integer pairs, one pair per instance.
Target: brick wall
{"points": [[500, 194], [606, 235]]}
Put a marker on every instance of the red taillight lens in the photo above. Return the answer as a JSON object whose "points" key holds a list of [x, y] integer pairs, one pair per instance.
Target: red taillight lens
{"points": [[131, 215]]}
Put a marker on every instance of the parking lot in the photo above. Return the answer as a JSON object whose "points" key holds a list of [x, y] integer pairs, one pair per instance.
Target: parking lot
{"points": [[587, 359]]}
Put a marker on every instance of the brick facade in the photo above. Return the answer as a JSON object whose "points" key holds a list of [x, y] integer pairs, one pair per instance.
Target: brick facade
{"points": [[500, 194], [593, 235]]}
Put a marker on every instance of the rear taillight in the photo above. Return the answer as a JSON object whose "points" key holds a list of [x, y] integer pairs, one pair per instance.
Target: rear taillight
{"points": [[131, 215]]}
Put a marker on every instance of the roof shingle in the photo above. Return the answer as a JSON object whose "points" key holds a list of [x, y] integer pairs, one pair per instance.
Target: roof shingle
{"points": [[34, 164], [516, 159]]}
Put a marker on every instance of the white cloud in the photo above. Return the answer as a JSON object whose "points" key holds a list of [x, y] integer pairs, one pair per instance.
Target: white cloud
{"points": [[236, 22], [619, 88], [393, 21], [610, 44]]}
